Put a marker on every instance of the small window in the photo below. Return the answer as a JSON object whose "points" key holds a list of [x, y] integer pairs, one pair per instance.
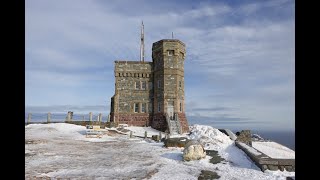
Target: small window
{"points": [[180, 107], [143, 107], [136, 107], [137, 84], [150, 85], [159, 83], [180, 83], [170, 52], [159, 106], [143, 85]]}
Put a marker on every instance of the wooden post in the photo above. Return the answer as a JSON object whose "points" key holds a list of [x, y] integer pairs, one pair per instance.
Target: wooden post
{"points": [[49, 117], [29, 118], [68, 117], [160, 136], [90, 116], [130, 134], [100, 117], [145, 134]]}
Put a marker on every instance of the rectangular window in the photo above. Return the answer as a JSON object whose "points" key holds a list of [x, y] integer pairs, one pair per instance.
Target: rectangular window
{"points": [[159, 106], [180, 107], [143, 107], [170, 52], [159, 83], [180, 83], [136, 107], [150, 85], [137, 84], [143, 85]]}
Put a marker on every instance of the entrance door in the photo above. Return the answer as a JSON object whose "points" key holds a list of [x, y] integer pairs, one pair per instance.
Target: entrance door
{"points": [[170, 110]]}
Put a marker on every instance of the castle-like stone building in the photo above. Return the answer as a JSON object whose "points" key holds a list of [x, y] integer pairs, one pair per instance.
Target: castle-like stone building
{"points": [[152, 93]]}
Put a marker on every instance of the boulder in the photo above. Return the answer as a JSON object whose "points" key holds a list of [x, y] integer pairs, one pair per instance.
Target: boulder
{"points": [[245, 137], [155, 138], [193, 150], [208, 175], [175, 142]]}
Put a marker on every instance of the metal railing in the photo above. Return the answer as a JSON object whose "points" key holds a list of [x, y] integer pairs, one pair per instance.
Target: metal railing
{"points": [[176, 118], [168, 122]]}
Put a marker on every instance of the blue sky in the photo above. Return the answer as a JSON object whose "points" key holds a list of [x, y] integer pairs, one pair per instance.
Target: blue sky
{"points": [[239, 67]]}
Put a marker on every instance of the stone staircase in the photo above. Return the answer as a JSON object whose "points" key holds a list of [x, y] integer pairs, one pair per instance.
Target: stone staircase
{"points": [[174, 125]]}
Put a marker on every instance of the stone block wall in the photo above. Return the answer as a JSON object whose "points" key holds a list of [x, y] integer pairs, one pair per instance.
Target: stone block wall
{"points": [[183, 122], [264, 162], [135, 119], [159, 122]]}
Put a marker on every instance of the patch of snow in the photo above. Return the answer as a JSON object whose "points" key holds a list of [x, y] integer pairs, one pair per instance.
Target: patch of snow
{"points": [[250, 149], [210, 137], [231, 134], [139, 131], [279, 173], [256, 137], [274, 150], [63, 130]]}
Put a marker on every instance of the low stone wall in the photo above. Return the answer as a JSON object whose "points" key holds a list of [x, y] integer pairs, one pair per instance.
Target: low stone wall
{"points": [[264, 162], [176, 142]]}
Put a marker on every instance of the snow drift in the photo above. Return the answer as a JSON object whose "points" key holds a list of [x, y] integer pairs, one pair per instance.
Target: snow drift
{"points": [[209, 137]]}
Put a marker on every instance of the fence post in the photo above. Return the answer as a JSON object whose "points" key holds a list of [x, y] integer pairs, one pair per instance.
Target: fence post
{"points": [[130, 134], [29, 118], [100, 117], [160, 136], [90, 116], [145, 134], [49, 117], [68, 117]]}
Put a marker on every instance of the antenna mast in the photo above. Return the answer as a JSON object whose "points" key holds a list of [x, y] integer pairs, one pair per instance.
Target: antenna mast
{"points": [[142, 44]]}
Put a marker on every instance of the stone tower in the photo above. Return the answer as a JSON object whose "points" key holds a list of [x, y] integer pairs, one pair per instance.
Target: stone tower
{"points": [[152, 93], [168, 76]]}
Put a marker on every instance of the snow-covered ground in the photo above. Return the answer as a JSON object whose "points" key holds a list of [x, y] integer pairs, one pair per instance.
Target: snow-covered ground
{"points": [[62, 151], [274, 150], [139, 131]]}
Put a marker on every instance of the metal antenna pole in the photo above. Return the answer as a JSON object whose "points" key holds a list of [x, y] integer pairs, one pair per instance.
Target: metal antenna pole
{"points": [[142, 44]]}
